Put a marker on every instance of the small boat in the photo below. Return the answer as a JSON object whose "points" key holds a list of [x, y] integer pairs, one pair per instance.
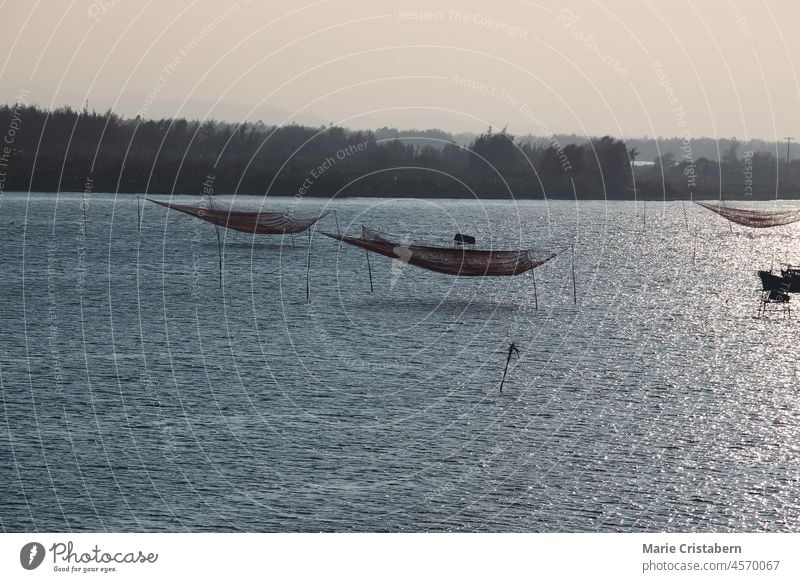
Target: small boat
{"points": [[788, 281]]}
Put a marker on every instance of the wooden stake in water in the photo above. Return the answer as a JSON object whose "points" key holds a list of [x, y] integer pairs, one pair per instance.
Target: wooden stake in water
{"points": [[138, 216], [369, 270], [336, 216], [219, 240], [308, 268], [730, 223], [83, 209], [512, 348], [644, 211], [685, 217], [574, 284], [535, 298]]}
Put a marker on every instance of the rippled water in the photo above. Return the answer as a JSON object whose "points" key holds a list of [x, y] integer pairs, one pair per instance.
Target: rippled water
{"points": [[138, 395]]}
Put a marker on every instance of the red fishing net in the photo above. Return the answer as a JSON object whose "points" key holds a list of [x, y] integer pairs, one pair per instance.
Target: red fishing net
{"points": [[754, 218], [451, 261], [249, 221]]}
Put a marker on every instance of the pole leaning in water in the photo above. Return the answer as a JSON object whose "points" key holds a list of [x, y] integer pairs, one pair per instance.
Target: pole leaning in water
{"points": [[511, 349]]}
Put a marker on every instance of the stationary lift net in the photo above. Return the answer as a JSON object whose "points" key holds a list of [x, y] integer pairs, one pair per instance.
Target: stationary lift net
{"points": [[249, 221], [754, 218], [450, 261]]}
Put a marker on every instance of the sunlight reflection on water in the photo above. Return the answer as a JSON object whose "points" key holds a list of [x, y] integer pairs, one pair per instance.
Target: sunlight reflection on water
{"points": [[154, 401]]}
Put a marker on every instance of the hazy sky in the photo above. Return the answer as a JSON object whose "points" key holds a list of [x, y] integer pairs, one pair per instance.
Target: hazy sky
{"points": [[712, 68]]}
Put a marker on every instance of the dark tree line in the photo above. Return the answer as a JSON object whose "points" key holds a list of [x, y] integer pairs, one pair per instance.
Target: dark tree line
{"points": [[67, 150], [738, 175], [650, 148]]}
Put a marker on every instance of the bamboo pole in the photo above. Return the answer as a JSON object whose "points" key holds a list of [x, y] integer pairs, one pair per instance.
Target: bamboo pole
{"points": [[83, 209], [511, 349], [685, 216], [369, 270], [138, 216], [688, 228], [219, 241], [730, 224], [644, 212], [535, 297], [308, 268], [336, 216], [574, 284]]}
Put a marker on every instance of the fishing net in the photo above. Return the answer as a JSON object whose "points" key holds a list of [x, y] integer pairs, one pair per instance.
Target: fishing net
{"points": [[450, 261], [252, 222], [754, 218]]}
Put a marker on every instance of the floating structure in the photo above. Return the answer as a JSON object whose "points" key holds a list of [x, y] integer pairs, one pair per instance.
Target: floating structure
{"points": [[753, 218], [788, 281], [773, 298], [776, 289]]}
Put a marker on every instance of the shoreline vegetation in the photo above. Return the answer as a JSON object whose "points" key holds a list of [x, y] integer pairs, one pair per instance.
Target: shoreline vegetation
{"points": [[64, 150]]}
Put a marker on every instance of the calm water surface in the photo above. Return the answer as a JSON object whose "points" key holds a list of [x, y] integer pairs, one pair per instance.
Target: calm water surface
{"points": [[139, 396]]}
